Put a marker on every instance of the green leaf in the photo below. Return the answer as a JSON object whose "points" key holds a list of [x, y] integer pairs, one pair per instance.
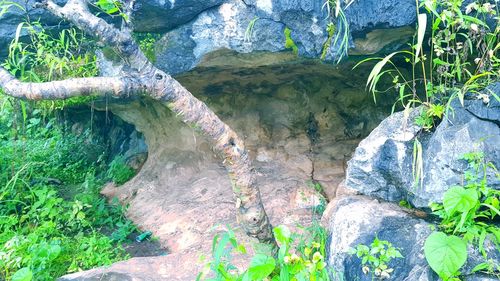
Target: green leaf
{"points": [[459, 199], [23, 274], [422, 25], [282, 234], [371, 83], [445, 254], [480, 267], [261, 266]]}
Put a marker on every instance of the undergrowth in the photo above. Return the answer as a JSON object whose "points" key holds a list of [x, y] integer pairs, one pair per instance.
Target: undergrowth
{"points": [[468, 215], [52, 218], [300, 256], [51, 213]]}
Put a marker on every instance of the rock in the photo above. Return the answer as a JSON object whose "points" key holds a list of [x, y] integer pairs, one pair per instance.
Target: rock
{"points": [[192, 29], [226, 26], [159, 16], [382, 164], [366, 15], [462, 133], [359, 219], [379, 39], [174, 267], [182, 191]]}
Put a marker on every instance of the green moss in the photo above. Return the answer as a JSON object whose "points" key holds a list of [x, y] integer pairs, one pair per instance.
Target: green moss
{"points": [[289, 43], [331, 28]]}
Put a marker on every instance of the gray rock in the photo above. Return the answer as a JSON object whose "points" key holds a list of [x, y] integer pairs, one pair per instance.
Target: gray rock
{"points": [[195, 28], [365, 15], [462, 133], [162, 15], [358, 220], [382, 164], [224, 26]]}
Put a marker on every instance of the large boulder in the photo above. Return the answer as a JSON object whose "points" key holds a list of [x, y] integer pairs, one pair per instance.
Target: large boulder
{"points": [[358, 220], [382, 165], [227, 26]]}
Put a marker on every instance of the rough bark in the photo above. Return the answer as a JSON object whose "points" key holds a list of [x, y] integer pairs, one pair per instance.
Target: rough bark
{"points": [[145, 79]]}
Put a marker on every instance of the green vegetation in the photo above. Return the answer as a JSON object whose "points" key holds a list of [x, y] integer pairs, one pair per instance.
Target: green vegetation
{"points": [[331, 32], [47, 57], [376, 257], [289, 43], [119, 172], [111, 7], [467, 214], [51, 213], [249, 30], [52, 218], [463, 58], [147, 43], [300, 257], [338, 31]]}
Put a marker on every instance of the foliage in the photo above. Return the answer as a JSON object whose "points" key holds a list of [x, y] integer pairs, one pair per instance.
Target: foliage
{"points": [[463, 58], [111, 7], [46, 57], [42, 233], [467, 213], [330, 29], [376, 257], [52, 218], [119, 172], [445, 254], [147, 43], [289, 43], [339, 32], [299, 257], [249, 30]]}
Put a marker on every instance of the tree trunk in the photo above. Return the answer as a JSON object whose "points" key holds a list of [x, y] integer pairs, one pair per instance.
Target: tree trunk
{"points": [[143, 78]]}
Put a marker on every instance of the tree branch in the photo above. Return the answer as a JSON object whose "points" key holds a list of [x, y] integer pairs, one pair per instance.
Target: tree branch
{"points": [[75, 87], [162, 87]]}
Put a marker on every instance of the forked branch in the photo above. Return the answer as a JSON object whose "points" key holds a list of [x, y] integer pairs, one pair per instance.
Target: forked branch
{"points": [[146, 78]]}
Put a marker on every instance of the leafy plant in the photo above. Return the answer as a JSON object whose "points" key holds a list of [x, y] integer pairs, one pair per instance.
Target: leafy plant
{"points": [[463, 58], [46, 57], [299, 257], [466, 213], [147, 43], [111, 7], [249, 30], [466, 210], [45, 229], [338, 32], [375, 258], [119, 172], [445, 254]]}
